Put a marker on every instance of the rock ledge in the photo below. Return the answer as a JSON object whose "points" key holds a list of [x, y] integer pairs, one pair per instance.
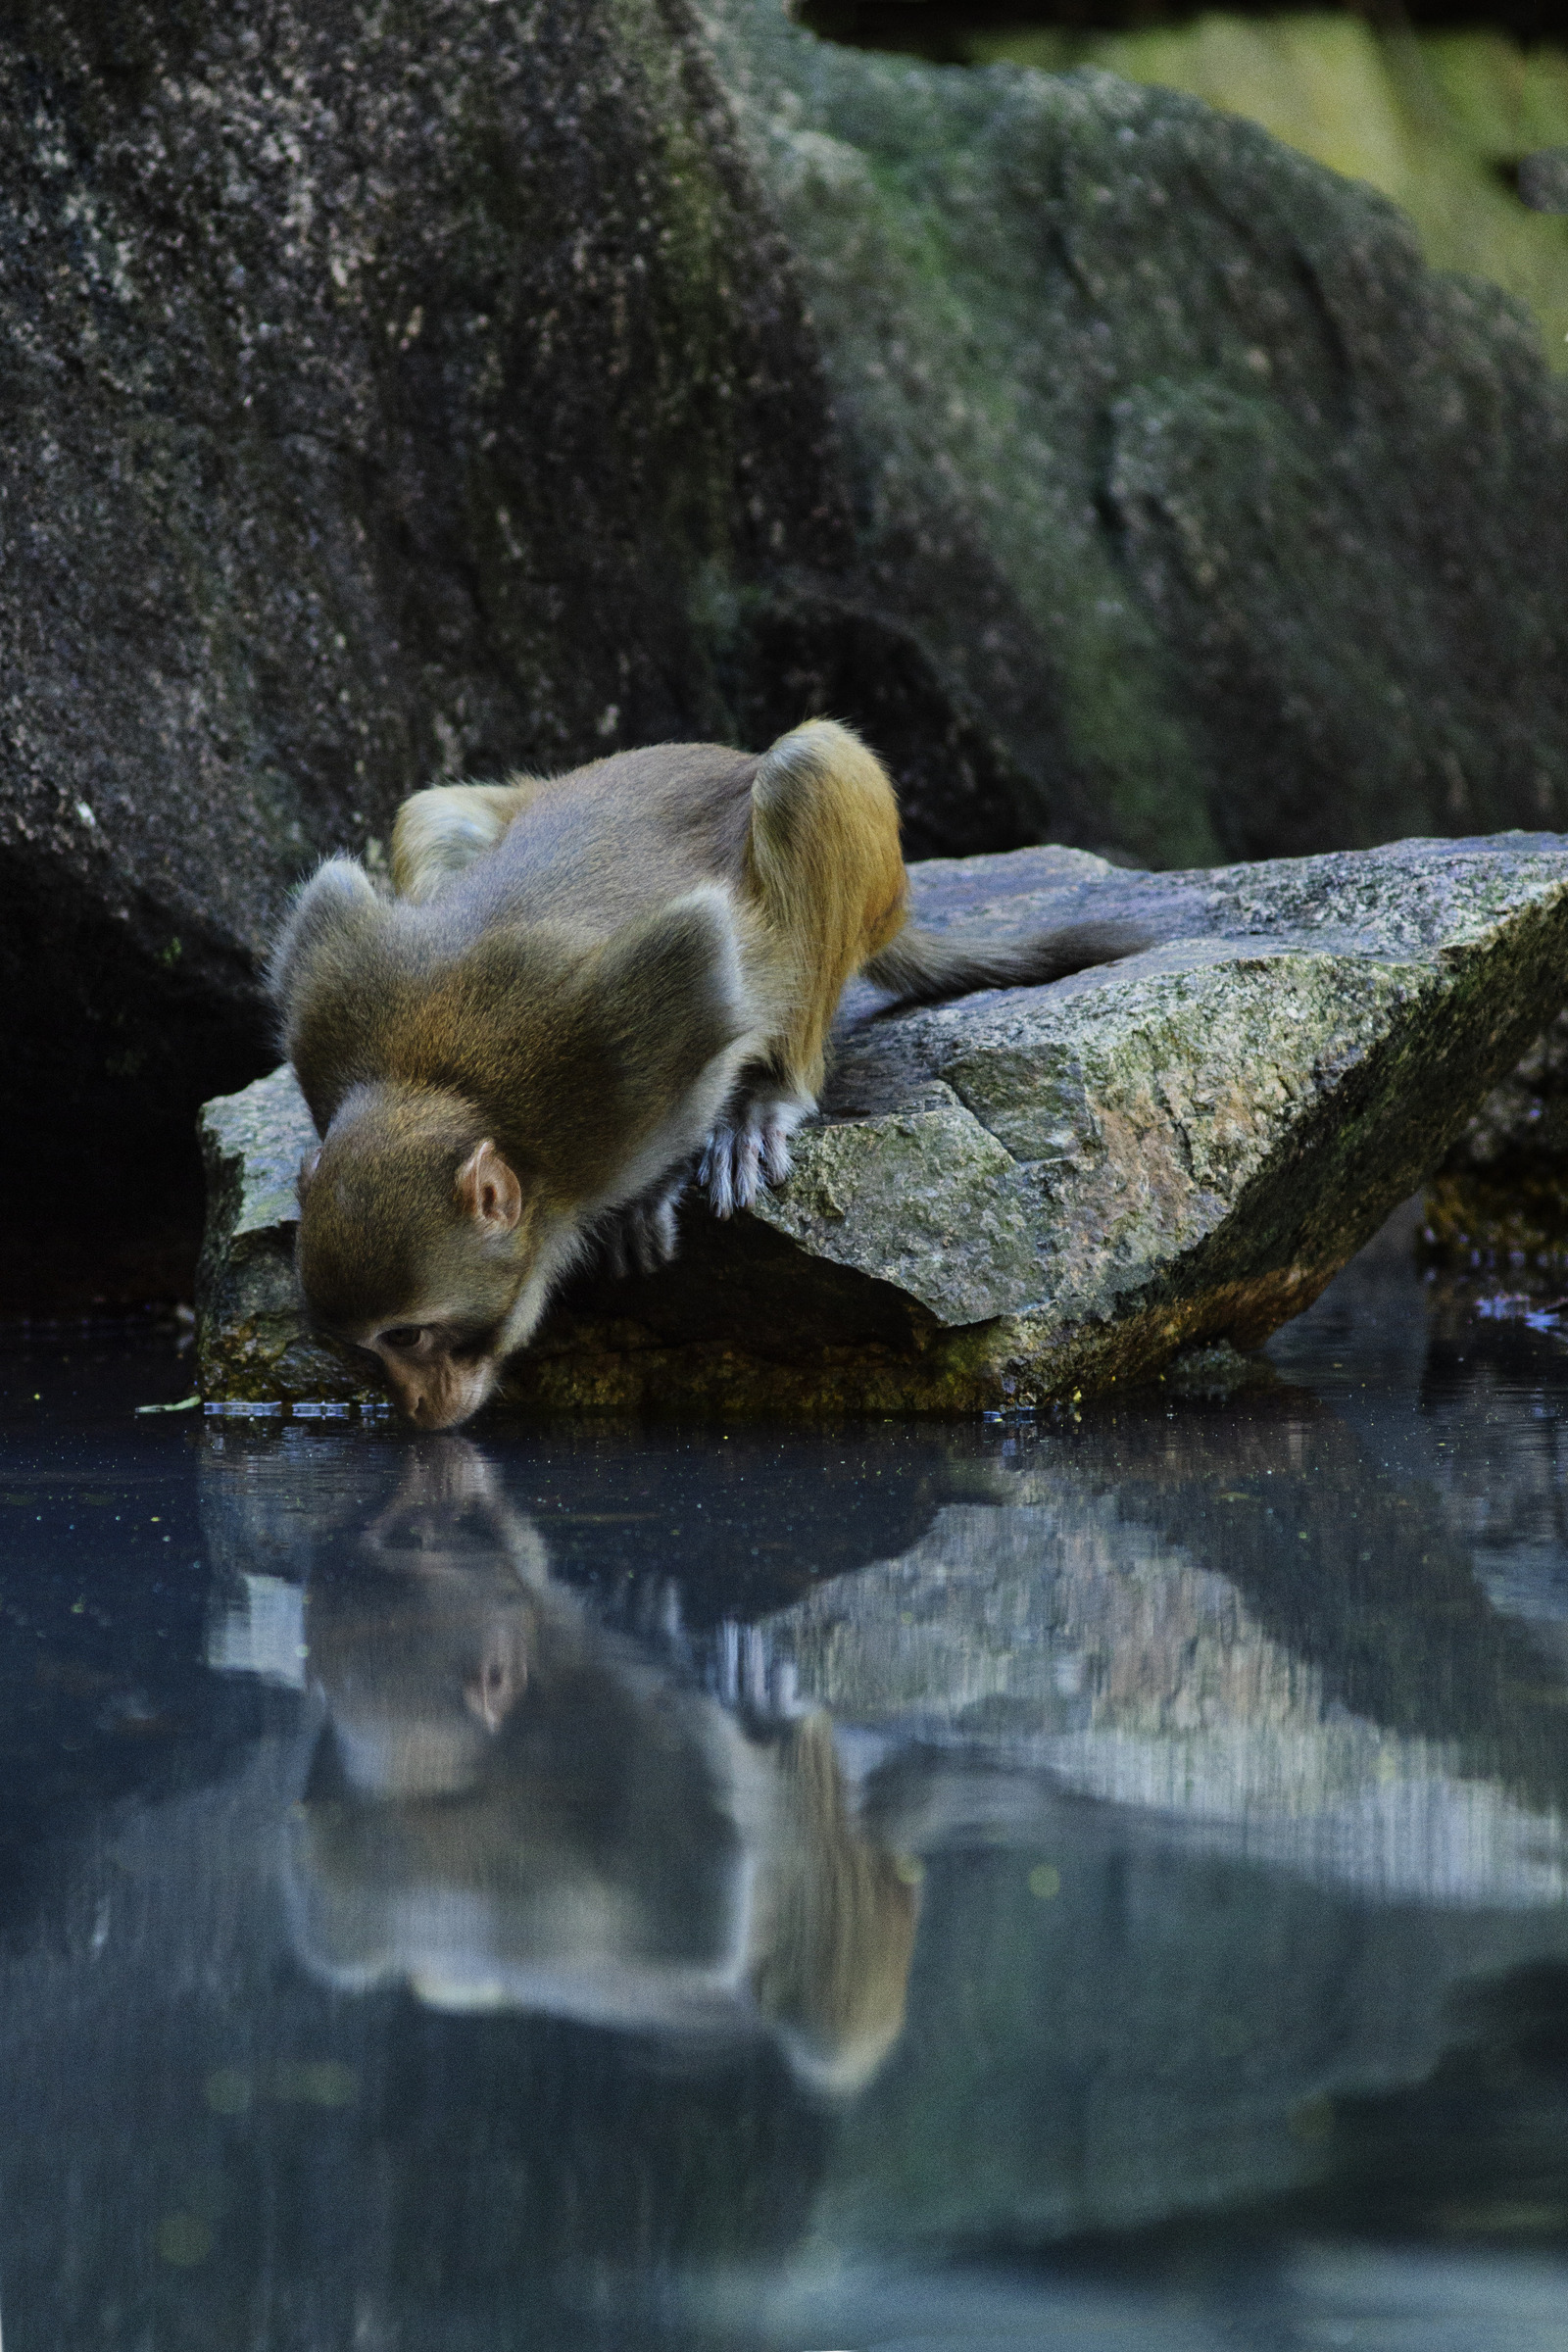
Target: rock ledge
{"points": [[1031, 1191]]}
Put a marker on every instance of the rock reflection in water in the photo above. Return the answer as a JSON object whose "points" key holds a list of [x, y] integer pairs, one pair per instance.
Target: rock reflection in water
{"points": [[1253, 1635], [1222, 1776], [510, 1806]]}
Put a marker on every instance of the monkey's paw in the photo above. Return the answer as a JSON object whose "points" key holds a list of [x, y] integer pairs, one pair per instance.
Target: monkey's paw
{"points": [[642, 1237], [746, 1152]]}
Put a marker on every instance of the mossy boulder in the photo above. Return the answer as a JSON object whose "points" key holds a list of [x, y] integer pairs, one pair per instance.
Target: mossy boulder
{"points": [[1031, 1192], [388, 395], [1442, 119], [1238, 521]]}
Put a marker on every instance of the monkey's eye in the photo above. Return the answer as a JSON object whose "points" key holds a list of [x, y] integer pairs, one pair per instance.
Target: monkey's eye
{"points": [[402, 1335]]}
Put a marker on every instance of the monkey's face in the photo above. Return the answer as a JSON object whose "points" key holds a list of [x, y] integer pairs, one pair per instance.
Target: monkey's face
{"points": [[439, 1375], [421, 1249]]}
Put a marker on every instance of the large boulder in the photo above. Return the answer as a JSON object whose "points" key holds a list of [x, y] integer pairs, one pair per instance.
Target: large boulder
{"points": [[1034, 1190], [386, 396], [1240, 523]]}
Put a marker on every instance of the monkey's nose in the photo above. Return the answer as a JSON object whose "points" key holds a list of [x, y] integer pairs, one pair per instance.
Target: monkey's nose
{"points": [[431, 1411]]}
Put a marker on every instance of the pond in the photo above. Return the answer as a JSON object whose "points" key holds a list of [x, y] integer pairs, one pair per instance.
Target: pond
{"points": [[1096, 1879]]}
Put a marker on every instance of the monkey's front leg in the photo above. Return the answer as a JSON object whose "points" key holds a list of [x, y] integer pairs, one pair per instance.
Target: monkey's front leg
{"points": [[750, 1146]]}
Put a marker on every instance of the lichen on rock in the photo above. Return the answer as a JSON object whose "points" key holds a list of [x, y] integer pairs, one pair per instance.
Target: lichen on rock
{"points": [[255, 1343]]}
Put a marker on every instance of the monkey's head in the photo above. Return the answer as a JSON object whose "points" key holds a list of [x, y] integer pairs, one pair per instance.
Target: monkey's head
{"points": [[420, 1245], [432, 1230]]}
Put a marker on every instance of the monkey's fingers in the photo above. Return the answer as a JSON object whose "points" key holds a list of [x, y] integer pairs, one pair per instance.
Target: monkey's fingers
{"points": [[729, 1169], [744, 1155]]}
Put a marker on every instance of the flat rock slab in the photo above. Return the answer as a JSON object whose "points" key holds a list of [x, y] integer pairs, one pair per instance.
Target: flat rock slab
{"points": [[1028, 1191]]}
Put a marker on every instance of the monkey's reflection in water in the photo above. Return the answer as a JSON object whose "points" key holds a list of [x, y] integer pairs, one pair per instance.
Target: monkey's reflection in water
{"points": [[509, 1807]]}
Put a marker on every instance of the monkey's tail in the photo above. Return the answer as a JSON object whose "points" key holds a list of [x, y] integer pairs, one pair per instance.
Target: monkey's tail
{"points": [[919, 967]]}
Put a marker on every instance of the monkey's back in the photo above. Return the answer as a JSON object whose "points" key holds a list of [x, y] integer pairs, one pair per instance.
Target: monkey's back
{"points": [[605, 843]]}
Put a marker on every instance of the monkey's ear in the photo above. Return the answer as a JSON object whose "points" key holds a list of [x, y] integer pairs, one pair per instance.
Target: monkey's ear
{"points": [[307, 1175], [670, 993], [488, 1191]]}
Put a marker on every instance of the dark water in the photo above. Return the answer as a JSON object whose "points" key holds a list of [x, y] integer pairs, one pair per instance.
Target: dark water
{"points": [[1095, 1883]]}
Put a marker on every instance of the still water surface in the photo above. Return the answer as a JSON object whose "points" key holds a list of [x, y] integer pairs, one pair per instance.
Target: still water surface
{"points": [[1099, 1882]]}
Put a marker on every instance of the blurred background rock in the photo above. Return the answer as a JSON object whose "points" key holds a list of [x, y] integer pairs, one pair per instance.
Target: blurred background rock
{"points": [[1436, 102]]}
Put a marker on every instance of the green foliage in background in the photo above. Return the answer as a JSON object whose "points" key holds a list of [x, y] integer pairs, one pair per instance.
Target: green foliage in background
{"points": [[1436, 120]]}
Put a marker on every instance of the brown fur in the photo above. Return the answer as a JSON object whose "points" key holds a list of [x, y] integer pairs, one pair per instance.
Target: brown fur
{"points": [[825, 875], [588, 977]]}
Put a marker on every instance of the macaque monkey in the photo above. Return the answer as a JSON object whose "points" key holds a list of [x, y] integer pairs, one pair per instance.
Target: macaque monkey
{"points": [[581, 985]]}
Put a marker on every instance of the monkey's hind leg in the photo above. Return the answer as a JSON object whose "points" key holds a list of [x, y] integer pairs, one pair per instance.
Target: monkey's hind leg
{"points": [[440, 832], [824, 880]]}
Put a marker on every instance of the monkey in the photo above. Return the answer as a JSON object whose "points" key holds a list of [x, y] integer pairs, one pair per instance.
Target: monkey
{"points": [[578, 990]]}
